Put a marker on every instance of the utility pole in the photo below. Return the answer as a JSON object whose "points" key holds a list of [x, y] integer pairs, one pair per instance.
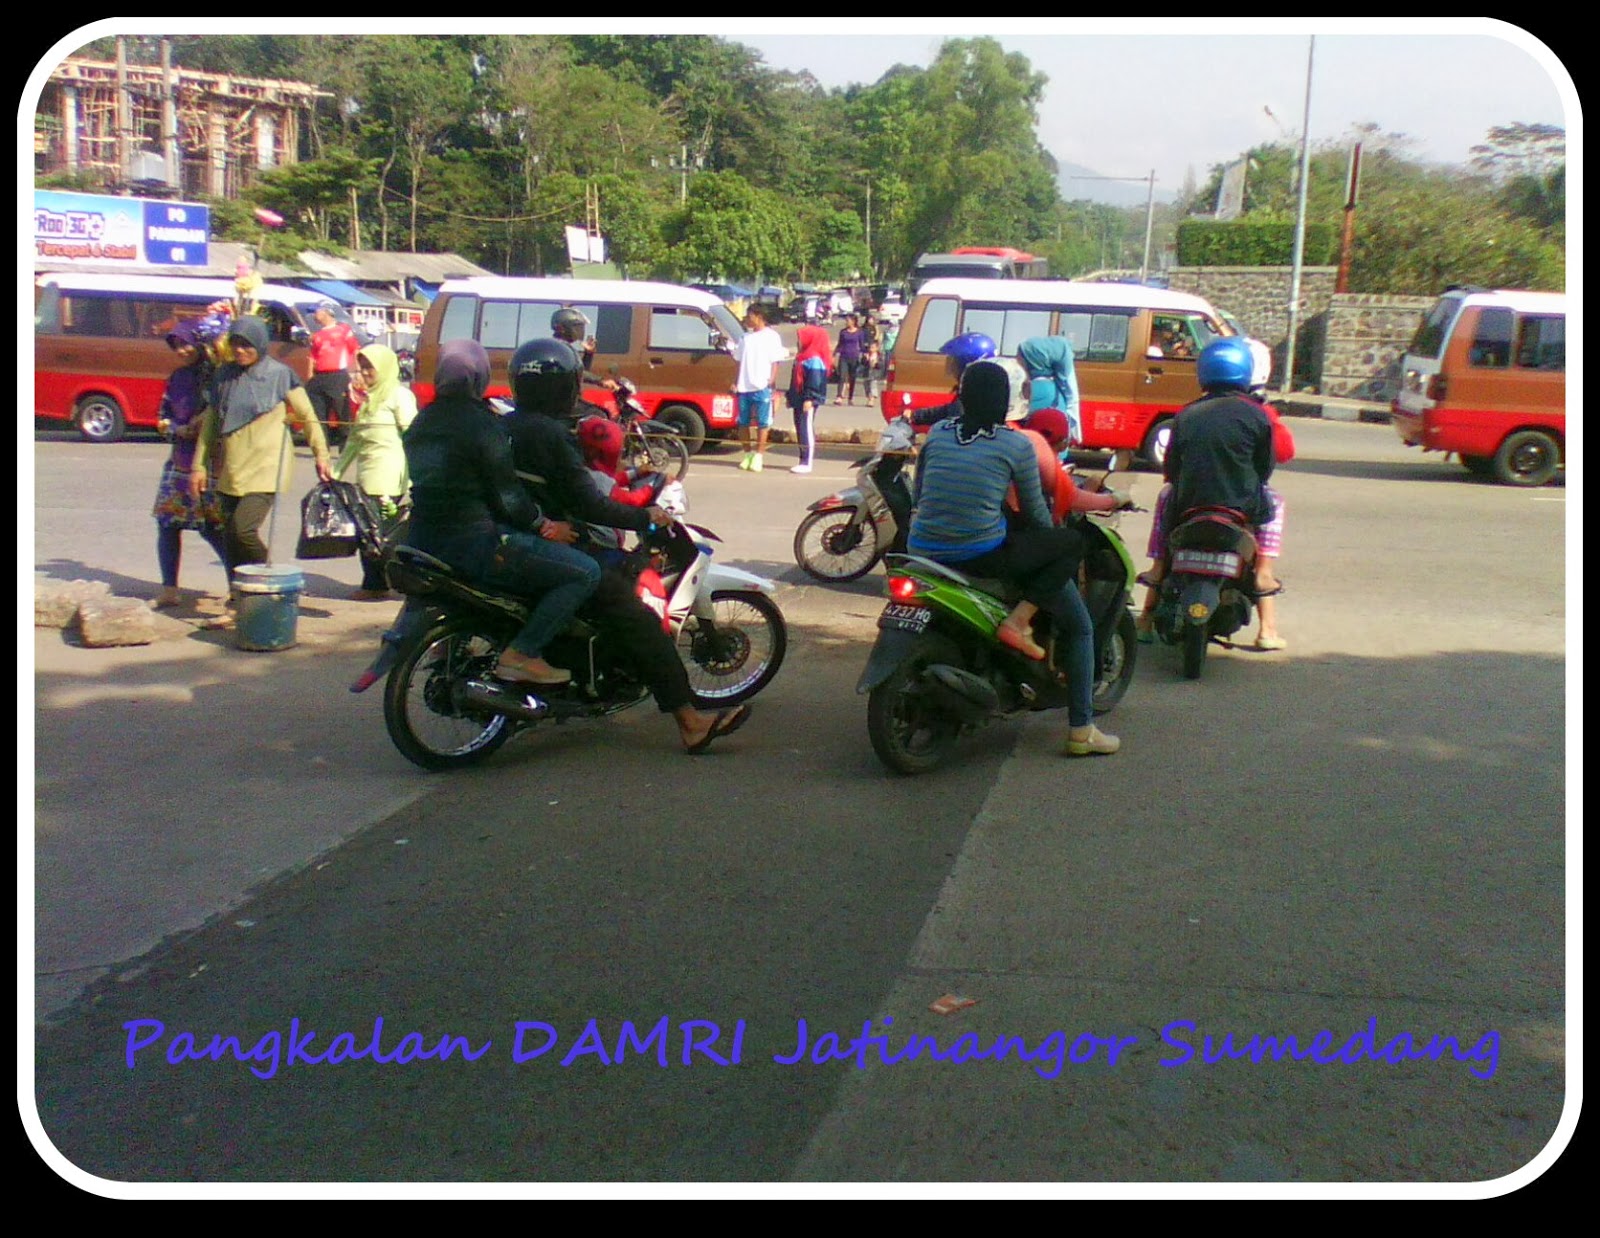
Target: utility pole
{"points": [[1149, 213], [869, 227], [1299, 230], [1347, 238]]}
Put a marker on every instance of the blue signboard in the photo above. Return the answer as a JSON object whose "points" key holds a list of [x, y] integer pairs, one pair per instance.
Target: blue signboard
{"points": [[131, 232]]}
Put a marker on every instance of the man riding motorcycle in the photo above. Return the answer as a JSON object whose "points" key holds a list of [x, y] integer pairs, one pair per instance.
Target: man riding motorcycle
{"points": [[959, 353], [571, 326], [1222, 452], [544, 383]]}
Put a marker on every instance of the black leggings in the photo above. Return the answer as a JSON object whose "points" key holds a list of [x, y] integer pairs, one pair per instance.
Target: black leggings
{"points": [[634, 631], [1041, 562]]}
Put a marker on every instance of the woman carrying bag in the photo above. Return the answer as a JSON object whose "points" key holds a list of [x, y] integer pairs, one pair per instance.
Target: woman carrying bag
{"points": [[375, 448]]}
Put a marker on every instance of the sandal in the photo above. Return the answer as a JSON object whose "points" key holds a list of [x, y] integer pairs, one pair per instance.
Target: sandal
{"points": [[1144, 627], [1014, 638], [726, 722], [1270, 644]]}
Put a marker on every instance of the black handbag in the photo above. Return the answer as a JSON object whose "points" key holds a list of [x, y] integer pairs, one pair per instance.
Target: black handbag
{"points": [[335, 519]]}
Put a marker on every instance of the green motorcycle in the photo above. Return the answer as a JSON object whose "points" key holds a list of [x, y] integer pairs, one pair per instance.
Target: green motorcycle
{"points": [[937, 670]]}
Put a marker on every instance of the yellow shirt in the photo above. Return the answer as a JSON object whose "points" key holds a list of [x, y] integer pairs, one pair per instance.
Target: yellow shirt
{"points": [[259, 458]]}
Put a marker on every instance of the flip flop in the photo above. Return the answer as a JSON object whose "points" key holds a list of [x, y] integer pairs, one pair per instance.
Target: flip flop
{"points": [[726, 722]]}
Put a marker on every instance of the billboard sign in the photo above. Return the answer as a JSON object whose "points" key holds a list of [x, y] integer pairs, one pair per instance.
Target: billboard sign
{"points": [[137, 233]]}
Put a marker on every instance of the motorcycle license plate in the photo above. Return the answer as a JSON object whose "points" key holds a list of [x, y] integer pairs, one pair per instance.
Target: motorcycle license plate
{"points": [[905, 618], [1206, 562]]}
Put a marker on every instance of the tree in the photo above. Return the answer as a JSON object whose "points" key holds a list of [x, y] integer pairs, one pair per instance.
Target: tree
{"points": [[1521, 149], [730, 228]]}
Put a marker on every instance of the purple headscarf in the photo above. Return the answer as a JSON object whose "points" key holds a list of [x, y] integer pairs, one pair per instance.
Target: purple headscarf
{"points": [[185, 393], [463, 369]]}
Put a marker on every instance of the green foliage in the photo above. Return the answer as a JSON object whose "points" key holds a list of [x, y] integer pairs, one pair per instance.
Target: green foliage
{"points": [[233, 219], [1252, 242], [732, 229]]}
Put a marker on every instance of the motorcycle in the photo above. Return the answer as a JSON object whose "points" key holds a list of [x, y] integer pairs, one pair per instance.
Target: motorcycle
{"points": [[444, 709], [937, 670], [847, 532], [646, 443], [1209, 591]]}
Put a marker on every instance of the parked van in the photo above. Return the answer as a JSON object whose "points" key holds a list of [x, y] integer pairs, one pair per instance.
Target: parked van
{"points": [[675, 343], [1134, 349], [1486, 378], [100, 355]]}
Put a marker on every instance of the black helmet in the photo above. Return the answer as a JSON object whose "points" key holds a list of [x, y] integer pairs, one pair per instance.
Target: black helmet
{"points": [[544, 377], [569, 324]]}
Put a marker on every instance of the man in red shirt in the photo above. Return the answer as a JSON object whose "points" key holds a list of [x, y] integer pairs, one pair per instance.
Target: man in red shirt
{"points": [[333, 352]]}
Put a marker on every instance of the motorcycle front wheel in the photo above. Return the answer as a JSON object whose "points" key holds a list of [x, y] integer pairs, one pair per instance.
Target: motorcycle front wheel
{"points": [[420, 703], [1117, 660], [1195, 638], [827, 547], [909, 734], [659, 449], [736, 653]]}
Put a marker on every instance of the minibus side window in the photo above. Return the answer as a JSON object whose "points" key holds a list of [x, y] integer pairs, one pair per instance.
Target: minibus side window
{"points": [[938, 325], [89, 314], [47, 313], [1491, 340], [1095, 337], [1007, 325], [672, 327], [505, 324], [458, 321], [1542, 344], [613, 328]]}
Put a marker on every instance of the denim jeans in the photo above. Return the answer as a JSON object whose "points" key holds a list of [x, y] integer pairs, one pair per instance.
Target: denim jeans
{"points": [[560, 576]]}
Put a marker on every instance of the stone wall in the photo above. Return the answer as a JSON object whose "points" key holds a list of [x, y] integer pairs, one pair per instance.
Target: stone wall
{"points": [[1364, 339], [1259, 298]]}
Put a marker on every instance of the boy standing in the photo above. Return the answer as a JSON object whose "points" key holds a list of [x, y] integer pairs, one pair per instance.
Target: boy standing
{"points": [[759, 353]]}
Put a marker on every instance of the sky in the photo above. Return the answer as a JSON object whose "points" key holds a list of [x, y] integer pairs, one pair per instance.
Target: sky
{"points": [[1124, 103], [1122, 100]]}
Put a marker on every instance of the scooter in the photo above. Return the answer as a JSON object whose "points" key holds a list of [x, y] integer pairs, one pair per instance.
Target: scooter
{"points": [[938, 671], [444, 709], [1209, 590], [847, 532]]}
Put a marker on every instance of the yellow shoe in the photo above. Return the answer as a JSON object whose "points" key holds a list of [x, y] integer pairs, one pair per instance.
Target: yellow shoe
{"points": [[744, 461], [755, 463], [1093, 743]]}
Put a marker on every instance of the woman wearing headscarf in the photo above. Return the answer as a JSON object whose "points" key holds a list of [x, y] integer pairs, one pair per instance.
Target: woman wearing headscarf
{"points": [[374, 447], [469, 509], [808, 390], [254, 399], [1048, 361], [967, 467], [176, 509]]}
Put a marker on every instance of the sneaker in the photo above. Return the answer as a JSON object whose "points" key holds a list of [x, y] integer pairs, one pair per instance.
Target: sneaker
{"points": [[1144, 627], [1095, 744], [1268, 644], [801, 468], [748, 456], [755, 463]]}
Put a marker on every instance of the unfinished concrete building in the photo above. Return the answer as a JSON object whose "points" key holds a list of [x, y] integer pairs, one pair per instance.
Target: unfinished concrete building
{"points": [[162, 130]]}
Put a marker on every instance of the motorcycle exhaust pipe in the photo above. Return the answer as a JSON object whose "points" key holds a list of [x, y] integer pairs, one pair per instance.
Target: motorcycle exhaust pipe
{"points": [[513, 700], [961, 694]]}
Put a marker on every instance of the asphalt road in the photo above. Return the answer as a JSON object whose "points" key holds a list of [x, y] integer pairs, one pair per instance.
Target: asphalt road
{"points": [[1368, 827]]}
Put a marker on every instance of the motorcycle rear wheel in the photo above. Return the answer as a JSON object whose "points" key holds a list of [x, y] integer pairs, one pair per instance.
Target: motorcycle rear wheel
{"points": [[826, 547], [737, 654], [1115, 672], [1195, 638], [907, 733], [419, 699]]}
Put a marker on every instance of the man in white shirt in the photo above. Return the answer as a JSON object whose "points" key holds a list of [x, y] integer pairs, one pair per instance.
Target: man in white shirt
{"points": [[759, 353]]}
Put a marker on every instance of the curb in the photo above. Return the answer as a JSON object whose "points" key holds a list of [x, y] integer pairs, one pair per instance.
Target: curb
{"points": [[1327, 411]]}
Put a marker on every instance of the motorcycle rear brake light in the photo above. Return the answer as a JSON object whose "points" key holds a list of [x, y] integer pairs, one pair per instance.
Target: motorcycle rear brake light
{"points": [[904, 588]]}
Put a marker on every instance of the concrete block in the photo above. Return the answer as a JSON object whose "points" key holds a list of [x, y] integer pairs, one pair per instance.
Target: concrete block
{"points": [[110, 621], [56, 602]]}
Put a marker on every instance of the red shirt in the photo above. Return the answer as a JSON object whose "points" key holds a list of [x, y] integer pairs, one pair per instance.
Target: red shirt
{"points": [[334, 348]]}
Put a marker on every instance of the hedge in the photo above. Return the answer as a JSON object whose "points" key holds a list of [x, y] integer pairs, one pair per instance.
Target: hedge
{"points": [[1250, 243]]}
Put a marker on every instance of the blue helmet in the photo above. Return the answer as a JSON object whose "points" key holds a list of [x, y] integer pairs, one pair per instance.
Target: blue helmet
{"points": [[1225, 363], [973, 346]]}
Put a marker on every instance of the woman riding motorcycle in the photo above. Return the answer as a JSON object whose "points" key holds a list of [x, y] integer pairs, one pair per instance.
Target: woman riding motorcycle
{"points": [[967, 467]]}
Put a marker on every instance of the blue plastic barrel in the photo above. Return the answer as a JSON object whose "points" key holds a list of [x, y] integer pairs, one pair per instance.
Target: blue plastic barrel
{"points": [[267, 604]]}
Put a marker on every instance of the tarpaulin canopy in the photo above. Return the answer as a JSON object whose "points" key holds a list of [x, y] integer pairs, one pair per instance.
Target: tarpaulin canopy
{"points": [[338, 290]]}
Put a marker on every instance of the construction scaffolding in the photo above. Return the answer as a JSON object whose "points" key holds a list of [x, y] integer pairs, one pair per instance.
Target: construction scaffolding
{"points": [[144, 126]]}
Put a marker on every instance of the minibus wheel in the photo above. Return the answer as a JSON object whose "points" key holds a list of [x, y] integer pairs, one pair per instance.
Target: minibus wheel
{"points": [[1527, 458], [687, 422], [100, 419]]}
